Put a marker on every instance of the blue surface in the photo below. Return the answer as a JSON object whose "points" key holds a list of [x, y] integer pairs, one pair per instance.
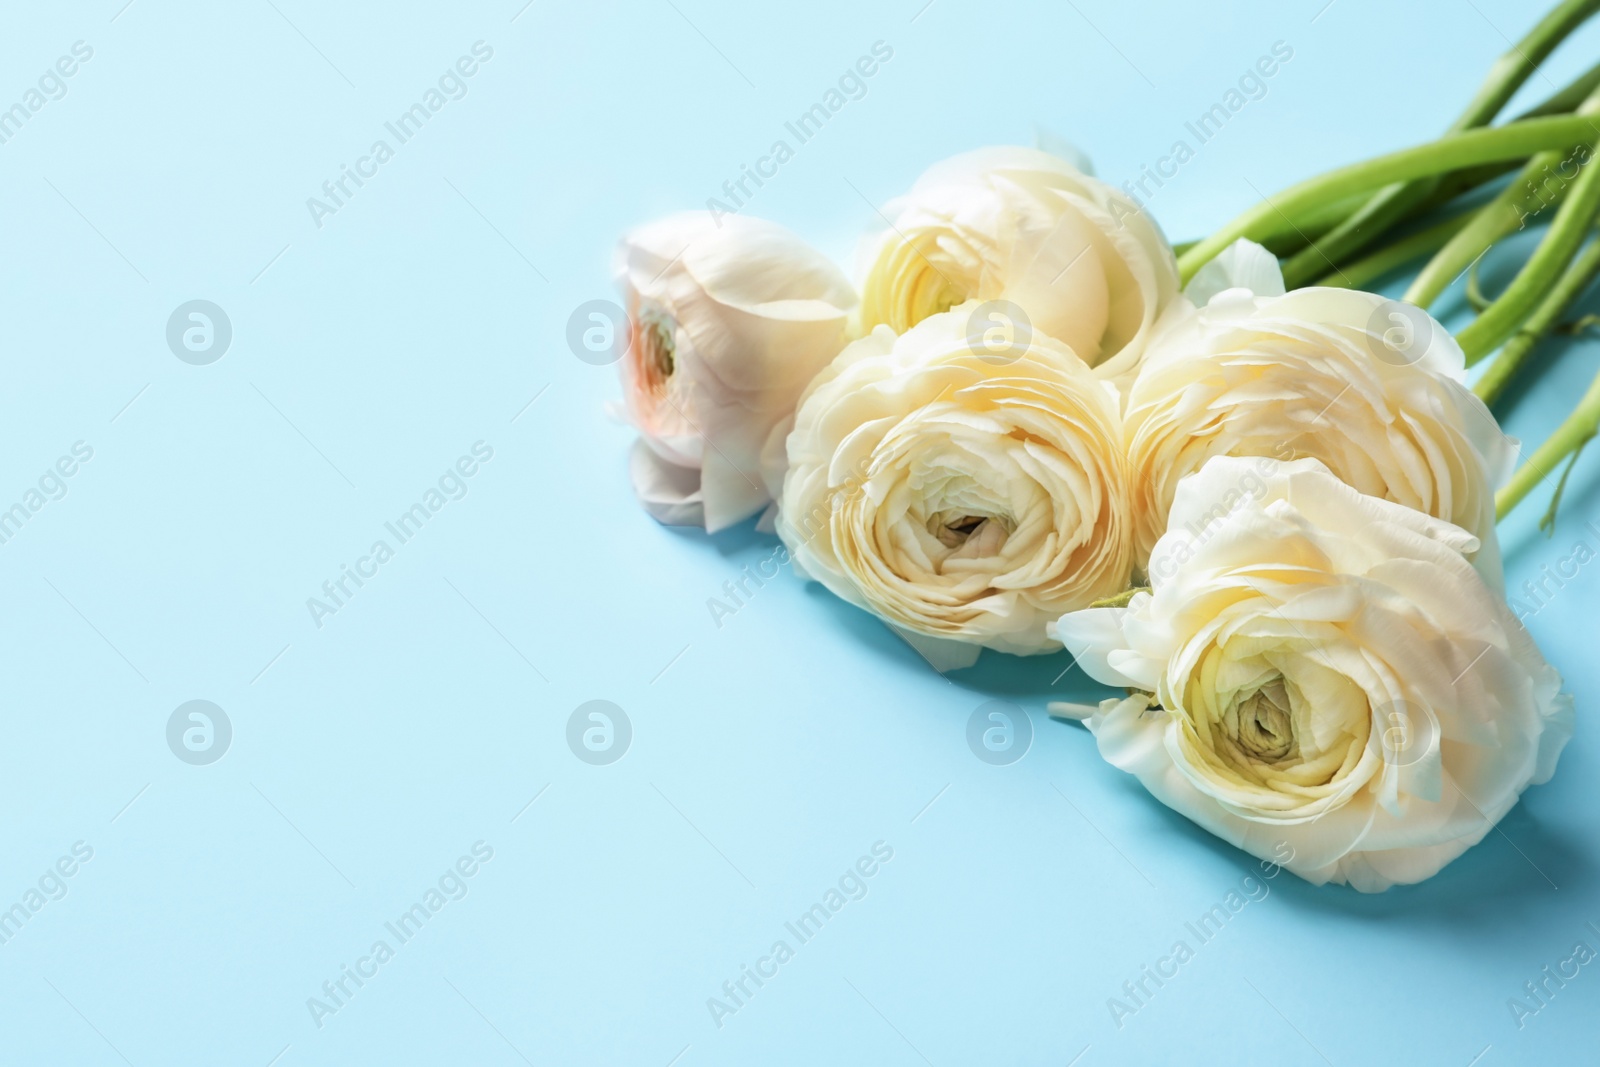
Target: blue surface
{"points": [[369, 755]]}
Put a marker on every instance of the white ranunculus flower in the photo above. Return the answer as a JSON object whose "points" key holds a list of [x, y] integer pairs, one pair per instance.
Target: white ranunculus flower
{"points": [[728, 324], [1369, 386], [1322, 675], [1080, 260], [957, 493]]}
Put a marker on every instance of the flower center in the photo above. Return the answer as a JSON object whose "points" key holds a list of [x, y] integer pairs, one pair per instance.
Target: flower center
{"points": [[954, 532], [1265, 725], [657, 349], [932, 278], [937, 292], [968, 535]]}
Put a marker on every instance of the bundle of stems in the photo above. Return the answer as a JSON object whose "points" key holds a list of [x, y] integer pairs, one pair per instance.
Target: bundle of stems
{"points": [[1447, 203]]}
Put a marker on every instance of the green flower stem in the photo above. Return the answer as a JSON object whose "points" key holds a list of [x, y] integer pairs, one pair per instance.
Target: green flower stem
{"points": [[1573, 282], [1516, 141], [1568, 97], [1457, 183], [1518, 62], [1379, 213], [1560, 243], [1498, 219], [1285, 238], [1393, 202], [1393, 256], [1504, 215], [1570, 436]]}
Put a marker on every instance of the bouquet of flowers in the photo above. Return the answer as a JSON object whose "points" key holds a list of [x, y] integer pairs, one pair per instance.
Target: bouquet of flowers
{"points": [[1232, 482]]}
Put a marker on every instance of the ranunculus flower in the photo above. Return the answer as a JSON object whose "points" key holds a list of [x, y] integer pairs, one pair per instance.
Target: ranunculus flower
{"points": [[958, 494], [1083, 263], [728, 325], [1369, 386], [1321, 675]]}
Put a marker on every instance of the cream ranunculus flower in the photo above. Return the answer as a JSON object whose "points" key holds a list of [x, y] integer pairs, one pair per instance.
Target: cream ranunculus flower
{"points": [[729, 322], [958, 494], [1369, 386], [1321, 678], [1083, 263]]}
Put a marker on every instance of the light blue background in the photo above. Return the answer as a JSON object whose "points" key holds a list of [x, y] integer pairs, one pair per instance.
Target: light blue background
{"points": [[768, 754]]}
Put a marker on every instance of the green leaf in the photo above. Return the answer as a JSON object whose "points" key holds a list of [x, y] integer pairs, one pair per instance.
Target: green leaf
{"points": [[1577, 326], [1475, 295], [1121, 599], [1548, 523]]}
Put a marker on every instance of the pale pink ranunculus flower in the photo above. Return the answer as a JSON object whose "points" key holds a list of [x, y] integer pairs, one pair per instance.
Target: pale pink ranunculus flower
{"points": [[730, 319]]}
